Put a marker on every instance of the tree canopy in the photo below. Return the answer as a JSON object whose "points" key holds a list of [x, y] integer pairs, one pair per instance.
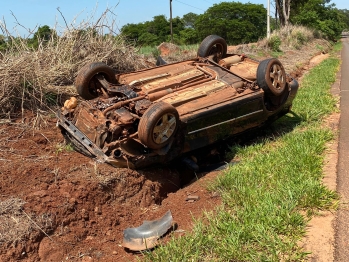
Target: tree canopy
{"points": [[152, 32], [43, 34], [320, 15], [234, 21], [240, 23]]}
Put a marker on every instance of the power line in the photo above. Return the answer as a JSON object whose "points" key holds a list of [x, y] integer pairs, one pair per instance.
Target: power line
{"points": [[209, 1], [190, 5]]}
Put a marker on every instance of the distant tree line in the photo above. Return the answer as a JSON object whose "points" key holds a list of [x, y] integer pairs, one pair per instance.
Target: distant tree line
{"points": [[42, 35], [236, 22], [240, 23]]}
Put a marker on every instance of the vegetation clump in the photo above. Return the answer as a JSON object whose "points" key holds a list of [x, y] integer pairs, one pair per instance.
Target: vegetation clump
{"points": [[34, 69]]}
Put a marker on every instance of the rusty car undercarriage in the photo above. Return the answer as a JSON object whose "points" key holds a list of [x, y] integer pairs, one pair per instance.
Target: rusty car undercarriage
{"points": [[158, 114]]}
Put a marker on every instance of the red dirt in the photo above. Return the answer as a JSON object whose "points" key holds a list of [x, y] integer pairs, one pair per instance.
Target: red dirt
{"points": [[167, 48], [88, 204]]}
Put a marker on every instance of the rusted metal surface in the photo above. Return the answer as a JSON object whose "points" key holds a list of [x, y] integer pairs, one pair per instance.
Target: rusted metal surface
{"points": [[78, 135], [246, 69], [212, 100]]}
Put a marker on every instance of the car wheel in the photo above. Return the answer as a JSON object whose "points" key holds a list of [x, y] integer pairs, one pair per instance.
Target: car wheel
{"points": [[271, 76], [213, 45], [158, 125], [87, 85]]}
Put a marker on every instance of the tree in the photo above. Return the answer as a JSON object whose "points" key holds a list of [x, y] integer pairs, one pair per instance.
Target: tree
{"points": [[150, 32], [189, 36], [344, 13], [189, 20], [148, 39], [234, 21], [160, 27], [3, 44], [283, 8], [42, 35], [320, 15], [133, 31]]}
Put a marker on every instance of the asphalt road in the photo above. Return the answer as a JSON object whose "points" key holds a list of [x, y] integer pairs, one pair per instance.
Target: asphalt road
{"points": [[342, 221]]}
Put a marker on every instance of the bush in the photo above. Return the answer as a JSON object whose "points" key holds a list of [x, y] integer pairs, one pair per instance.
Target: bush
{"points": [[274, 43]]}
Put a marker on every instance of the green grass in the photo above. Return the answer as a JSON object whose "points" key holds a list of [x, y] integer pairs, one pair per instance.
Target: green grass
{"points": [[63, 147], [268, 196]]}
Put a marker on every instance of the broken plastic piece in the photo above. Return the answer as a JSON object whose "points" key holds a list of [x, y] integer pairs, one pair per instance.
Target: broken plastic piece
{"points": [[146, 236]]}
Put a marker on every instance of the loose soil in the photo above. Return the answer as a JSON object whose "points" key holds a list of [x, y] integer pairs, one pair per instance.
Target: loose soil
{"points": [[76, 209]]}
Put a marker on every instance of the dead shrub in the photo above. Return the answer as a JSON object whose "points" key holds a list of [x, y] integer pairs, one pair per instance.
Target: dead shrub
{"points": [[28, 76]]}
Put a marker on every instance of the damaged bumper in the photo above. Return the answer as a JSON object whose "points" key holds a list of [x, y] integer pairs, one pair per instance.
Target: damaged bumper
{"points": [[85, 146]]}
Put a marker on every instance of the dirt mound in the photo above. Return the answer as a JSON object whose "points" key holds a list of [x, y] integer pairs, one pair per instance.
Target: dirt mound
{"points": [[73, 205], [167, 48]]}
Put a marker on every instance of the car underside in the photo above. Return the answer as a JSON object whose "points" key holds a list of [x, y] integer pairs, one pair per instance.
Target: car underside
{"points": [[155, 115]]}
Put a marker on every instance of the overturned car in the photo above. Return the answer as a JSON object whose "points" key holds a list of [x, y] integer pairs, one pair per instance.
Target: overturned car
{"points": [[155, 115]]}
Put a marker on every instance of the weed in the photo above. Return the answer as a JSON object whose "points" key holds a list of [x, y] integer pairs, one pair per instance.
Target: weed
{"points": [[337, 47], [276, 54], [147, 50], [156, 53], [274, 43], [63, 147], [51, 98], [320, 47]]}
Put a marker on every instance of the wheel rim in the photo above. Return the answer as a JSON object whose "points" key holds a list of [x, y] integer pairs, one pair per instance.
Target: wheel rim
{"points": [[277, 77], [216, 50], [164, 128], [94, 86]]}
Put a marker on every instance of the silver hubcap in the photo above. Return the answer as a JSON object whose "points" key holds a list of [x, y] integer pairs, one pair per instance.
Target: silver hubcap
{"points": [[164, 128], [276, 76]]}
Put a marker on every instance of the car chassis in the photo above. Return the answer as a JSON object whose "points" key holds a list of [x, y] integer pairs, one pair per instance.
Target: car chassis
{"points": [[155, 115]]}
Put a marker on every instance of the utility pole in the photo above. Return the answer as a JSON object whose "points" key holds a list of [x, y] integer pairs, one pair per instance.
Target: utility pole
{"points": [[268, 20], [171, 21]]}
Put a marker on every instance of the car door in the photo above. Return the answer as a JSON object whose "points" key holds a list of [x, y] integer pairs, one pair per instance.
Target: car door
{"points": [[222, 120]]}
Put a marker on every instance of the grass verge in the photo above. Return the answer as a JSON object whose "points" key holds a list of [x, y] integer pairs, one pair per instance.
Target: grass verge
{"points": [[269, 196]]}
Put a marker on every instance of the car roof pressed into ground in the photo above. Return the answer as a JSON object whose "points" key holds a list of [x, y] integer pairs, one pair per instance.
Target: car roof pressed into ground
{"points": [[158, 114]]}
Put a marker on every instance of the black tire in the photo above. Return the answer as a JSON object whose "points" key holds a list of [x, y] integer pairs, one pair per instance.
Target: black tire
{"points": [[271, 76], [86, 83], [158, 125], [213, 45]]}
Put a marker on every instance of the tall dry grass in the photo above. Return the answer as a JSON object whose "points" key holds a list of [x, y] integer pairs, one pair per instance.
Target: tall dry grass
{"points": [[31, 78], [294, 36]]}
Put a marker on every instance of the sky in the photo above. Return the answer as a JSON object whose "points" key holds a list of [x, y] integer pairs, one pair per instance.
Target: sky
{"points": [[22, 16]]}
